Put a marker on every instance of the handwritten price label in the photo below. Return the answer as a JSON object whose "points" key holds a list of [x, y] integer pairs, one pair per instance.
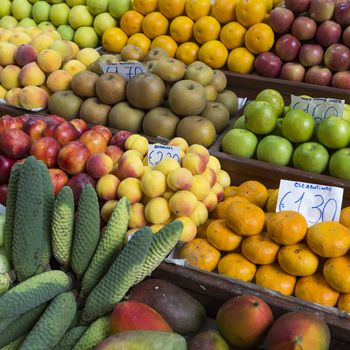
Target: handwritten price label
{"points": [[319, 108], [125, 69], [316, 202], [158, 152]]}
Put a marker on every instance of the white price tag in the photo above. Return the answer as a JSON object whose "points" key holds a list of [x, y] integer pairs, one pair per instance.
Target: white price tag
{"points": [[316, 202], [125, 69], [158, 152], [319, 108]]}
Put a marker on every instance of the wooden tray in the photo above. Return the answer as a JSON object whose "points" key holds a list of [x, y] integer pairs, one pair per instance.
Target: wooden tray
{"points": [[213, 290], [16, 111]]}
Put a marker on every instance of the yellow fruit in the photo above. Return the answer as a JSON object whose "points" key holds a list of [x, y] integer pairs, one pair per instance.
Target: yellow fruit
{"points": [[155, 24], [249, 12], [145, 6], [172, 8], [131, 22], [345, 216], [165, 42], [206, 28], [232, 35], [213, 53], [271, 200], [344, 302], [337, 273], [240, 60], [114, 39], [189, 229], [224, 10], [157, 210], [259, 38], [197, 8], [140, 40], [181, 29], [187, 52], [254, 191]]}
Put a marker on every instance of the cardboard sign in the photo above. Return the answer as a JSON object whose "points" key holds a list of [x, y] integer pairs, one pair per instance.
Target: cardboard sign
{"points": [[126, 69], [316, 202], [158, 152]]}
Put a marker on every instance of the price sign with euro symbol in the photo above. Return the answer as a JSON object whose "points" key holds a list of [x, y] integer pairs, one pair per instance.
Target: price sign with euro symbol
{"points": [[157, 152]]}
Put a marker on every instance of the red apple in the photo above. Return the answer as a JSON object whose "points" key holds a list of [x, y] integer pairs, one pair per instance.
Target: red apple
{"points": [[318, 75], [281, 19], [56, 118], [72, 157], [297, 6], [292, 71], [119, 138], [65, 132], [321, 10], [106, 132], [50, 127], [94, 140], [58, 178], [341, 80], [80, 125], [337, 57], [342, 13], [311, 55], [328, 33], [5, 169], [268, 64], [14, 143], [304, 28], [287, 47], [78, 182], [46, 149], [8, 122], [98, 165], [114, 152], [3, 194], [34, 127], [346, 36]]}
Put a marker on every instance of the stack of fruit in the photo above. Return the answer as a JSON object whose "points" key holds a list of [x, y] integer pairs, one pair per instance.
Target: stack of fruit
{"points": [[278, 135], [314, 37], [36, 62], [83, 22], [275, 250]]}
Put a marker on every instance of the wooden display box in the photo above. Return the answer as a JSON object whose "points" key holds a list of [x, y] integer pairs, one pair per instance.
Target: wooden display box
{"points": [[16, 111]]}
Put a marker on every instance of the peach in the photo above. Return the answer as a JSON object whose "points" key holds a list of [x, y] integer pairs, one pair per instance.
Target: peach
{"points": [[214, 163], [32, 97], [3, 92], [183, 203], [31, 74], [14, 143], [98, 165], [114, 152], [194, 162], [134, 153], [46, 88], [94, 140], [41, 41], [34, 127], [210, 201], [200, 186], [200, 214], [46, 149], [137, 216], [64, 48], [179, 142], [119, 138], [73, 67], [9, 77], [157, 210], [106, 132], [7, 53], [129, 166], [203, 151], [49, 60], [75, 48], [166, 165], [25, 54], [189, 230], [146, 169], [131, 189], [12, 97], [179, 179], [8, 122], [219, 191], [107, 208], [80, 125], [168, 193], [210, 175], [18, 39], [107, 186], [59, 80], [87, 56], [58, 179], [223, 178], [153, 183], [138, 143], [5, 35], [65, 132]]}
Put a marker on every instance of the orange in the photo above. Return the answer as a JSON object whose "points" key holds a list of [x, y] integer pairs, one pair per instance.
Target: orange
{"points": [[220, 209], [315, 289], [145, 6], [344, 302], [260, 249], [181, 29], [328, 239], [197, 8], [155, 24], [298, 260], [213, 53], [206, 28], [245, 218], [259, 38], [269, 5], [165, 42], [273, 277], [187, 52], [235, 265], [172, 8], [131, 22], [249, 12], [337, 273], [229, 191], [114, 39], [345, 216], [254, 191], [222, 237], [232, 35], [240, 60], [286, 227], [272, 196], [224, 10], [201, 254], [202, 229], [140, 40]]}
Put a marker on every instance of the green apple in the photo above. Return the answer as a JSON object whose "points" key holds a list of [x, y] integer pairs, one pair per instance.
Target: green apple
{"points": [[334, 132], [261, 117], [79, 16], [40, 11], [346, 112], [239, 123], [298, 126], [21, 9], [5, 8], [59, 14], [117, 8], [311, 156], [72, 3], [8, 22], [55, 1], [4, 264], [104, 21], [46, 25], [339, 164], [239, 142], [33, 1], [66, 32], [97, 6], [278, 128], [27, 22], [273, 97], [275, 150], [85, 37]]}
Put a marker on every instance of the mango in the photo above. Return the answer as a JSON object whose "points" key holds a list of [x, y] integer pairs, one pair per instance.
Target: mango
{"points": [[210, 339]]}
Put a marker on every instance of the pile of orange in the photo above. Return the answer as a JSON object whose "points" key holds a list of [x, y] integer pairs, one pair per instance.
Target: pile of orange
{"points": [[246, 239], [228, 32]]}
